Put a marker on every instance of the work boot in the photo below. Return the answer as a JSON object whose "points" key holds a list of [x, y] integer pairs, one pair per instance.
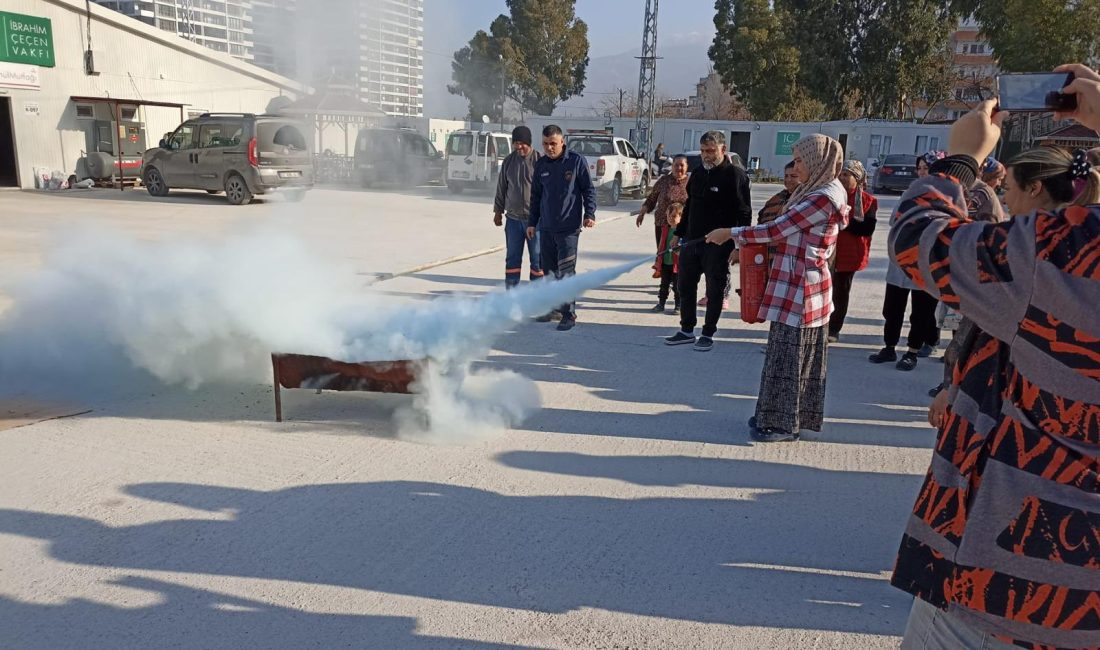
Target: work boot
{"points": [[568, 321]]}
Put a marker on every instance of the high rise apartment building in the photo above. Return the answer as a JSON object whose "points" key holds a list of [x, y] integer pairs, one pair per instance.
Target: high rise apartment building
{"points": [[391, 66], [221, 25]]}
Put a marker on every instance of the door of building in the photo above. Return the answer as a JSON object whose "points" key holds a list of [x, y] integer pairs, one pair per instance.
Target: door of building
{"points": [[9, 176], [739, 144]]}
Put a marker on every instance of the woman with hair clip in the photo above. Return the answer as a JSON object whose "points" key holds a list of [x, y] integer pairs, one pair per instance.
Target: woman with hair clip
{"points": [[998, 549], [1041, 179]]}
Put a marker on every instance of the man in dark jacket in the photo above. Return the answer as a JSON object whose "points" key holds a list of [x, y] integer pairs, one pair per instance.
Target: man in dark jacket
{"points": [[562, 200], [718, 197], [513, 200]]}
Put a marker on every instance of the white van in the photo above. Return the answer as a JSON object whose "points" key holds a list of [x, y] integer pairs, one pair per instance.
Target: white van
{"points": [[474, 159]]}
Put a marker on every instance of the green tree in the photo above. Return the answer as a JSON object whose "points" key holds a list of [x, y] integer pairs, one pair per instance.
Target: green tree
{"points": [[474, 69], [542, 48], [907, 58], [1037, 35], [812, 59], [758, 63]]}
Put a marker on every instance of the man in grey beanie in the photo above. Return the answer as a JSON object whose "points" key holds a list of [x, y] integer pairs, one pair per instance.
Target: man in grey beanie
{"points": [[513, 200]]}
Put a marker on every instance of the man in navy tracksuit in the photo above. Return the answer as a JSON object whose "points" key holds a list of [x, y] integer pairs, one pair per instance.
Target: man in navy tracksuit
{"points": [[562, 200]]}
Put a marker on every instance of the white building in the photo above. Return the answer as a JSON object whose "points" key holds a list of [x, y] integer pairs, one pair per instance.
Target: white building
{"points": [[377, 47], [221, 25], [769, 142], [392, 50], [142, 82]]}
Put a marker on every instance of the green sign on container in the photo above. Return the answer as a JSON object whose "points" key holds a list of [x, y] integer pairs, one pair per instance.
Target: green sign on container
{"points": [[784, 142], [26, 39]]}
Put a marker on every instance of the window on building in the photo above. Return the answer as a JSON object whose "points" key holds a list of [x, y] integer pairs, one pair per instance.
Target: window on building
{"points": [[921, 145], [214, 32], [166, 25], [166, 10], [85, 112]]}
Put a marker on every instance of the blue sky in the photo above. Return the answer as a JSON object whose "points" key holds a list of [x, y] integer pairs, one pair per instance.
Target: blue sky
{"points": [[614, 27]]}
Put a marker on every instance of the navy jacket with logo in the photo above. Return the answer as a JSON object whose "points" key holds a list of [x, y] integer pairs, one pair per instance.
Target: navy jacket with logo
{"points": [[562, 194]]}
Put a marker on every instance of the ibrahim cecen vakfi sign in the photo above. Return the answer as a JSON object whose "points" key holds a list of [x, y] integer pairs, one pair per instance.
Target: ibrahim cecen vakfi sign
{"points": [[26, 39]]}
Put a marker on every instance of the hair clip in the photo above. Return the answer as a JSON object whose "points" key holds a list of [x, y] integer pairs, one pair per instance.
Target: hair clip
{"points": [[1080, 167]]}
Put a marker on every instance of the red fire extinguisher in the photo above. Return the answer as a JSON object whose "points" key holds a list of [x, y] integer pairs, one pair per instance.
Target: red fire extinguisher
{"points": [[754, 280]]}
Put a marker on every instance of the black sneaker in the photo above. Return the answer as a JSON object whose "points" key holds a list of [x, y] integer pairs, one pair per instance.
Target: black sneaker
{"points": [[680, 338], [885, 355], [567, 323], [926, 351], [908, 362], [833, 338], [704, 344], [676, 307], [547, 317], [658, 308], [772, 434]]}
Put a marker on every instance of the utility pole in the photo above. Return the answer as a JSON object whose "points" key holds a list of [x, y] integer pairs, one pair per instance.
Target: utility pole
{"points": [[621, 93], [647, 80], [501, 92]]}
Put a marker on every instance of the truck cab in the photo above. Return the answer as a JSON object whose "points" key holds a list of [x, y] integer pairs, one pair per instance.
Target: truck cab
{"points": [[474, 159], [612, 162]]}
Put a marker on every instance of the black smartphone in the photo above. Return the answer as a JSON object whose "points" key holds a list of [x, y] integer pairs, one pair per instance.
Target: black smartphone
{"points": [[1035, 92]]}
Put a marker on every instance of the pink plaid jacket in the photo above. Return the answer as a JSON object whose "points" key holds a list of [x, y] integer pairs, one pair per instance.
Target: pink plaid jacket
{"points": [[800, 287]]}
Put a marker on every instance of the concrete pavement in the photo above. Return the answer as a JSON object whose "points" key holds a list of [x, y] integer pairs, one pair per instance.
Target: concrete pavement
{"points": [[630, 512]]}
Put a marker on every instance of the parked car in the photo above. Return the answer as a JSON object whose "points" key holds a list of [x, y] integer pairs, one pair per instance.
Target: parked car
{"points": [[613, 163], [241, 154], [474, 159], [895, 173], [400, 156]]}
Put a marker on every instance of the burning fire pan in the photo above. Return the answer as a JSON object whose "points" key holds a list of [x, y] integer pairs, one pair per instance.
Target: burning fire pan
{"points": [[322, 373]]}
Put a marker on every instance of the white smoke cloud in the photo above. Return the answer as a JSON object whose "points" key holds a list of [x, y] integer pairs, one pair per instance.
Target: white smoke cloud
{"points": [[107, 312]]}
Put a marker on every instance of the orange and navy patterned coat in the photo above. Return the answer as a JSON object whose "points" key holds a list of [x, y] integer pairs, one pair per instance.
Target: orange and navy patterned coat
{"points": [[1005, 532]]}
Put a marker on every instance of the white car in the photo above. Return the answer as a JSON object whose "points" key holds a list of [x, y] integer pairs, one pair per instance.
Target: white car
{"points": [[613, 162], [474, 159]]}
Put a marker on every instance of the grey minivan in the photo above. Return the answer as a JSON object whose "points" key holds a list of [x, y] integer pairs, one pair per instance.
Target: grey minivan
{"points": [[240, 154]]}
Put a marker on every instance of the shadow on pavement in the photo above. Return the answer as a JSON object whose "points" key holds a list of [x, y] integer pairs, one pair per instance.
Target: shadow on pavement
{"points": [[704, 397], [197, 618], [781, 558]]}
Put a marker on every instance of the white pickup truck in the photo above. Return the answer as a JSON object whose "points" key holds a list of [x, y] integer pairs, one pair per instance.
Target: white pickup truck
{"points": [[613, 162]]}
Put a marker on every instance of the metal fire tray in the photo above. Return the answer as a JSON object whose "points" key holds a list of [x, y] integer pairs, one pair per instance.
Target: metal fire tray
{"points": [[322, 373]]}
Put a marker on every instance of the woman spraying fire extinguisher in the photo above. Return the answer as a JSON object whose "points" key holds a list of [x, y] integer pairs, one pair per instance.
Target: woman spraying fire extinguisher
{"points": [[798, 296]]}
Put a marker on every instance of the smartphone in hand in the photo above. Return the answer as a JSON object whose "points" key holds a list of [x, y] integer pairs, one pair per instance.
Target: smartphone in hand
{"points": [[1035, 92]]}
